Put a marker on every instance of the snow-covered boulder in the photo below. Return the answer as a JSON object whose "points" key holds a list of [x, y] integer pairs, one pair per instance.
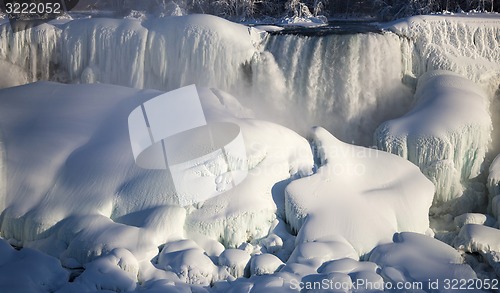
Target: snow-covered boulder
{"points": [[474, 218], [478, 238], [446, 134], [28, 270], [107, 273], [420, 259], [189, 262], [236, 261], [358, 198], [264, 264]]}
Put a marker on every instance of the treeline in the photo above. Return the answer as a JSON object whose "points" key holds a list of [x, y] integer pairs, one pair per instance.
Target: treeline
{"points": [[260, 9]]}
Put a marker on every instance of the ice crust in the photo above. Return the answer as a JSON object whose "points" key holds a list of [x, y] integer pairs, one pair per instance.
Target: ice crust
{"points": [[446, 134]]}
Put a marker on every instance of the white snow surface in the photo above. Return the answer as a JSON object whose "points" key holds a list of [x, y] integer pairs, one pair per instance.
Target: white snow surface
{"points": [[363, 196], [446, 134]]}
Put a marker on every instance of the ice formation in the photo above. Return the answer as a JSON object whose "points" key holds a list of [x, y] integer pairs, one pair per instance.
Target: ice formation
{"points": [[394, 197], [446, 134], [494, 187], [465, 45]]}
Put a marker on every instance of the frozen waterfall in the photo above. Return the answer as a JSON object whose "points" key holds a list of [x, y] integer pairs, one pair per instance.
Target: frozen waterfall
{"points": [[347, 83]]}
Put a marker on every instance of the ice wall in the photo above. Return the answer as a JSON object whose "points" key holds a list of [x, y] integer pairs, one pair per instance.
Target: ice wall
{"points": [[446, 134], [164, 53], [465, 45]]}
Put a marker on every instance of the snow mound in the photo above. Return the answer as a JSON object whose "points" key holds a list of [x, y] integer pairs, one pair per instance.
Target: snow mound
{"points": [[360, 197], [189, 262], [419, 258], [474, 218], [107, 273], [478, 238], [236, 261], [446, 134], [265, 264]]}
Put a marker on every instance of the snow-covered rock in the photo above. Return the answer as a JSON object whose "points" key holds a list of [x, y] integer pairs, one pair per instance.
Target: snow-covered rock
{"points": [[358, 198], [189, 262], [446, 134], [478, 238], [474, 218], [236, 261], [419, 258], [28, 270], [264, 264], [107, 273]]}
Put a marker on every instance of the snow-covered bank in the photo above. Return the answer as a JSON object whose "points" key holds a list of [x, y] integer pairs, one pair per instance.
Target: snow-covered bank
{"points": [[446, 134]]}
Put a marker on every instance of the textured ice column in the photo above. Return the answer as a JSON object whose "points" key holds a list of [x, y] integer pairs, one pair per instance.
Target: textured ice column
{"points": [[446, 134], [34, 50], [494, 187]]}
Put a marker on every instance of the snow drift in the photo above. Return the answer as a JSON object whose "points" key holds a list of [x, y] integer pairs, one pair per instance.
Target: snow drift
{"points": [[446, 134]]}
